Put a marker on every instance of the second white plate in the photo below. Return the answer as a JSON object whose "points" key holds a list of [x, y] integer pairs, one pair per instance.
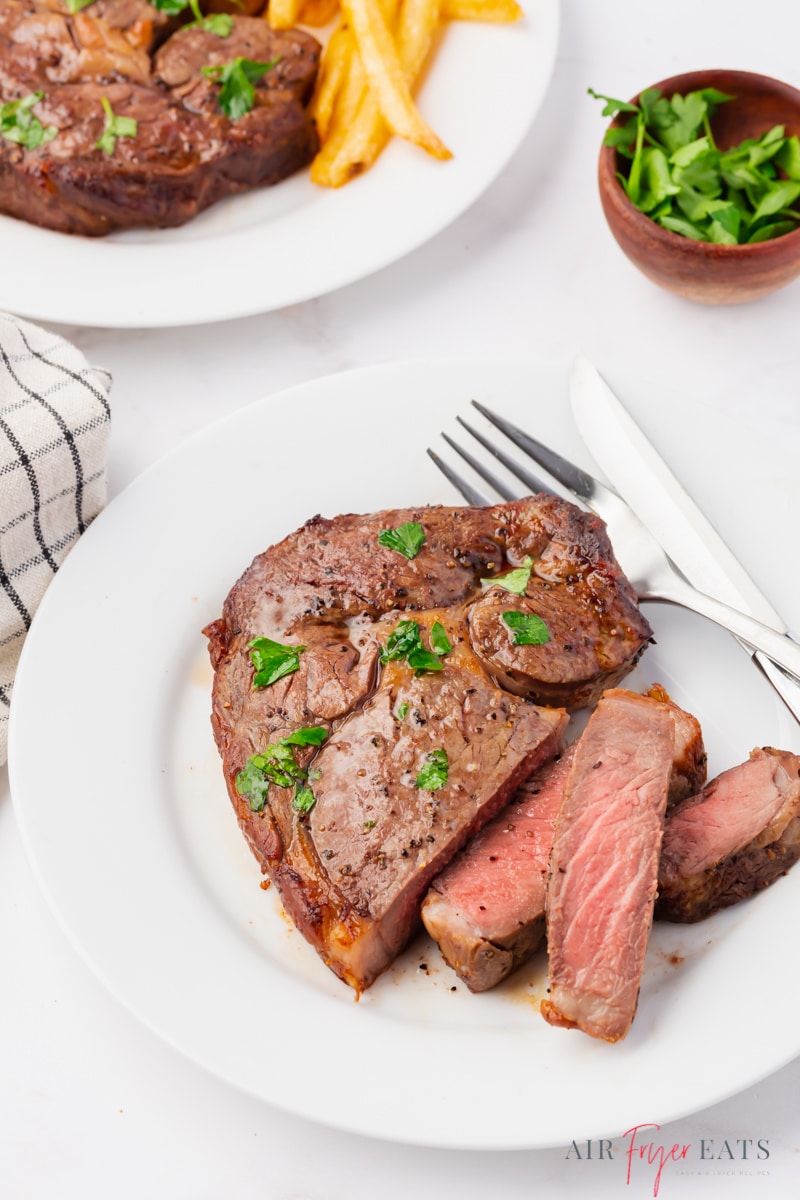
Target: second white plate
{"points": [[279, 246]]}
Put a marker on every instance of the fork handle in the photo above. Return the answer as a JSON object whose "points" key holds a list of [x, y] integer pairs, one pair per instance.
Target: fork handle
{"points": [[778, 647], [788, 689]]}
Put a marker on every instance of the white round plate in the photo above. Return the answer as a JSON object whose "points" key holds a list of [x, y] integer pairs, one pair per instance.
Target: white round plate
{"points": [[120, 798], [279, 246]]}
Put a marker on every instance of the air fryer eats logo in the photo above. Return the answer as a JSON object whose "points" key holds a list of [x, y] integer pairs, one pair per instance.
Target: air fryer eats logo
{"points": [[646, 1155]]}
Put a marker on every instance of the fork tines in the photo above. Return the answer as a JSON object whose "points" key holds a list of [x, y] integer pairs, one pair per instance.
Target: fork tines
{"points": [[561, 469], [564, 472]]}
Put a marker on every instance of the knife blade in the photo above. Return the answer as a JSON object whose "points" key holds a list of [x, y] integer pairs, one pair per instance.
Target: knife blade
{"points": [[645, 482]]}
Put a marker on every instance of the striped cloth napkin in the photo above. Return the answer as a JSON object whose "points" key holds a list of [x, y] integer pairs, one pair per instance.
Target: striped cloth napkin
{"points": [[54, 426]]}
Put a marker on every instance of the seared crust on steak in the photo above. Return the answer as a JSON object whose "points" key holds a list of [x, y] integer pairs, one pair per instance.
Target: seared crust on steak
{"points": [[596, 629], [740, 834], [353, 873], [186, 153]]}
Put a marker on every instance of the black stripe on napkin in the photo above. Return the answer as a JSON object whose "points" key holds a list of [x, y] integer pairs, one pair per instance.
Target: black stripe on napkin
{"points": [[24, 458], [14, 597], [66, 432]]}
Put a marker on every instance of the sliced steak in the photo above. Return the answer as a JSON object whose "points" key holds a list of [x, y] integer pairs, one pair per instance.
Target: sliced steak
{"points": [[486, 910], [354, 880], [690, 761], [186, 153], [737, 836], [604, 865]]}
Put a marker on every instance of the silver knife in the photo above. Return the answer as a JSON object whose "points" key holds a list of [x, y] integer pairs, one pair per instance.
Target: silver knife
{"points": [[643, 479]]}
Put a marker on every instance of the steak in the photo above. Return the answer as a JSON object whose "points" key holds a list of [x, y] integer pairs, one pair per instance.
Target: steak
{"points": [[732, 839], [486, 910], [186, 153], [690, 761], [604, 865], [354, 867]]}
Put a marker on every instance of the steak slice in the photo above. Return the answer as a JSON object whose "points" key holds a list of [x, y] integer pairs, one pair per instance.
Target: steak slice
{"points": [[186, 153], [690, 761], [349, 871], [604, 865], [732, 839], [486, 910]]}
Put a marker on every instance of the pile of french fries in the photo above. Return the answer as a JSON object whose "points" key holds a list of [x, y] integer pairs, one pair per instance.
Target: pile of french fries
{"points": [[374, 56]]}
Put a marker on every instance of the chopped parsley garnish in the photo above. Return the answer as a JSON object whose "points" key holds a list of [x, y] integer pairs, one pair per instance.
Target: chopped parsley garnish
{"points": [[304, 799], [369, 824], [515, 581], [277, 764], [407, 539], [171, 7], [402, 711], [313, 735], [75, 6], [19, 125], [439, 640], [528, 629], [402, 641], [434, 773], [674, 172], [405, 642], [115, 127], [237, 81], [220, 24], [253, 782], [272, 660]]}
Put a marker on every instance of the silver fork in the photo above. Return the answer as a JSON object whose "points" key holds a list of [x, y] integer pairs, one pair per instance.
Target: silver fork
{"points": [[650, 571]]}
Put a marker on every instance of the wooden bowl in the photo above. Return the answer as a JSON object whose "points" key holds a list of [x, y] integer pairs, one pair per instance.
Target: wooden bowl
{"points": [[704, 271]]}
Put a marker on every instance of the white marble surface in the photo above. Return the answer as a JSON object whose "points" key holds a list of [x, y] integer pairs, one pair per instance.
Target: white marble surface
{"points": [[91, 1103]]}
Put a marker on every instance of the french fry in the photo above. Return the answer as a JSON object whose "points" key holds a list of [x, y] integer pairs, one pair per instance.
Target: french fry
{"points": [[418, 23], [318, 12], [386, 78], [371, 63], [481, 10], [351, 148], [335, 69], [283, 14], [354, 146]]}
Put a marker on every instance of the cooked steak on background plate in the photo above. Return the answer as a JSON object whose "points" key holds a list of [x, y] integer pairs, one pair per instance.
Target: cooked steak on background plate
{"points": [[421, 645], [185, 154]]}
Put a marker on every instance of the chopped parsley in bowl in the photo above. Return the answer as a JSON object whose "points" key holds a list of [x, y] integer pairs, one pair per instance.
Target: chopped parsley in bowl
{"points": [[700, 183]]}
